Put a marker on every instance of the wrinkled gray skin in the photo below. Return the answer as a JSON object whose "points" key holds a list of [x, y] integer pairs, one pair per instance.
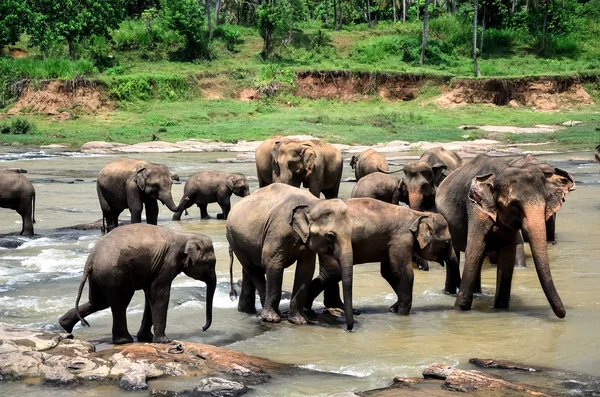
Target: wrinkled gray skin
{"points": [[145, 257], [380, 186], [313, 164], [389, 234], [212, 187], [264, 159], [277, 226], [17, 193], [133, 184], [422, 177], [368, 162], [531, 160], [486, 203]]}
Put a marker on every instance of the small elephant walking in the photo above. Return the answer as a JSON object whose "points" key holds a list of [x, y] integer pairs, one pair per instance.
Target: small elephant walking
{"points": [[17, 193], [277, 226], [368, 162], [142, 257], [389, 234], [380, 186], [212, 187], [133, 184]]}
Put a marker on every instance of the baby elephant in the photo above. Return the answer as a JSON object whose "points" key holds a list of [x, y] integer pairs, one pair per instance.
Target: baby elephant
{"points": [[17, 193], [389, 234], [382, 187], [212, 187], [147, 257]]}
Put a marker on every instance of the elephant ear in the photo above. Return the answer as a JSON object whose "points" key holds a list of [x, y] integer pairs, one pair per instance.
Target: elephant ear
{"points": [[558, 184], [481, 194], [403, 189], [230, 182], [353, 161], [140, 178], [192, 254], [439, 173], [422, 230], [300, 222], [309, 157]]}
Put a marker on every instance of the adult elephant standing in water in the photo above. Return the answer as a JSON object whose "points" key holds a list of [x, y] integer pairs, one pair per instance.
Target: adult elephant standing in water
{"points": [[264, 159], [273, 228], [17, 193], [314, 164], [486, 203], [134, 184]]}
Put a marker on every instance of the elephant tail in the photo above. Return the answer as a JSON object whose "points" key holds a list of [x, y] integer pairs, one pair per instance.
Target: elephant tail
{"points": [[33, 208], [391, 172], [86, 273], [233, 293]]}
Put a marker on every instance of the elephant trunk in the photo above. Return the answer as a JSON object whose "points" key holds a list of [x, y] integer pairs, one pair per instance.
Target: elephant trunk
{"points": [[211, 286], [167, 199], [415, 200], [535, 226], [346, 261]]}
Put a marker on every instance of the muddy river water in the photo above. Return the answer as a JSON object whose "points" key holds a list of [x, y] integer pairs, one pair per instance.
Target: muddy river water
{"points": [[39, 280]]}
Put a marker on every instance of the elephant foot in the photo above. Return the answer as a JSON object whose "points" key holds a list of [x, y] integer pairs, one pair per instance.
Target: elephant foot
{"points": [[161, 339], [297, 319], [221, 216], [423, 265], [402, 310], [205, 216], [270, 316], [145, 337], [462, 307], [66, 325], [122, 340]]}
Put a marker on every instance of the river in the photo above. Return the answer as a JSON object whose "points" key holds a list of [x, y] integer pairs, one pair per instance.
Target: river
{"points": [[39, 280]]}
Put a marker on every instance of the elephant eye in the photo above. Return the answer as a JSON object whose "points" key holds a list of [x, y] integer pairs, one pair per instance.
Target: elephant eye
{"points": [[331, 235]]}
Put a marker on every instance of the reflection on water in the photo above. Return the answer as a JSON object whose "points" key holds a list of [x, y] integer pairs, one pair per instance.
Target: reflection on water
{"points": [[39, 278]]}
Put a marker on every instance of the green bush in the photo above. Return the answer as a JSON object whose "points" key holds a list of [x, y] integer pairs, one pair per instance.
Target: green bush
{"points": [[147, 87], [563, 46], [18, 126], [376, 49], [187, 18], [151, 36], [230, 34], [272, 78]]}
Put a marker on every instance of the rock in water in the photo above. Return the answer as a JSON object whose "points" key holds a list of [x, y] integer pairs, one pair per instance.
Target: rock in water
{"points": [[210, 387]]}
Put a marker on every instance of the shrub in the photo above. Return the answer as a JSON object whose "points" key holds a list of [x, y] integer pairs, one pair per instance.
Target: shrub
{"points": [[230, 34], [272, 78], [18, 126], [186, 18]]}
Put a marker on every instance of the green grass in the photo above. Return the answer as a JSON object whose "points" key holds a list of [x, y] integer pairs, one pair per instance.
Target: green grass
{"points": [[365, 122]]}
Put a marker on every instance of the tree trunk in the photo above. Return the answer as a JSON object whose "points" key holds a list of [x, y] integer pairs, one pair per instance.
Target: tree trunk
{"points": [[394, 11], [72, 52], [453, 7], [512, 8], [403, 11], [484, 5], [289, 39], [335, 14], [425, 30], [527, 6], [217, 7], [208, 21], [340, 14], [545, 26], [327, 13], [369, 14], [418, 5], [475, 67]]}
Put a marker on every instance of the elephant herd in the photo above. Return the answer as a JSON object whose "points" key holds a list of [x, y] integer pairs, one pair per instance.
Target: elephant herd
{"points": [[485, 207]]}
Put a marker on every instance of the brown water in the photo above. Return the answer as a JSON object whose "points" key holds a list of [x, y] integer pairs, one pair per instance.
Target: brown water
{"points": [[39, 279]]}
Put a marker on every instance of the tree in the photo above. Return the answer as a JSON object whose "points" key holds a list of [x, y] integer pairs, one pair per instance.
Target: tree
{"points": [[13, 16], [72, 20], [187, 18], [475, 66], [425, 30], [369, 20], [273, 19]]}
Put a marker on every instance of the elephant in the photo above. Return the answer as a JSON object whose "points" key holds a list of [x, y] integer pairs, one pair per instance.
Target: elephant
{"points": [[212, 187], [134, 184], [386, 233], [597, 154], [17, 193], [424, 176], [486, 203], [264, 159], [381, 186], [276, 226], [368, 162], [147, 257], [314, 164]]}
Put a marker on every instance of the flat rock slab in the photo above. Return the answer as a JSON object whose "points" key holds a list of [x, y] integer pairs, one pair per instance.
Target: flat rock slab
{"points": [[52, 357]]}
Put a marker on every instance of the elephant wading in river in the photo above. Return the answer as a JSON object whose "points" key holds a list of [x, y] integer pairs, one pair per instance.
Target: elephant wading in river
{"points": [[380, 186], [212, 187], [389, 234], [597, 154], [422, 177], [486, 203], [146, 257], [368, 162], [133, 184], [17, 193], [273, 228], [264, 159], [314, 164]]}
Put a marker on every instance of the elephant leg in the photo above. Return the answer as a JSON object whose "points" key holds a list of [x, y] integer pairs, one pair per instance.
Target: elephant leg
{"points": [[422, 264], [551, 229], [225, 204], [145, 332], [305, 269], [106, 212], [398, 272], [159, 303], [273, 263], [118, 299], [151, 212], [97, 301], [520, 251], [453, 275], [135, 205], [25, 211], [504, 274], [477, 283], [474, 255], [247, 299], [114, 221], [203, 211], [186, 205]]}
